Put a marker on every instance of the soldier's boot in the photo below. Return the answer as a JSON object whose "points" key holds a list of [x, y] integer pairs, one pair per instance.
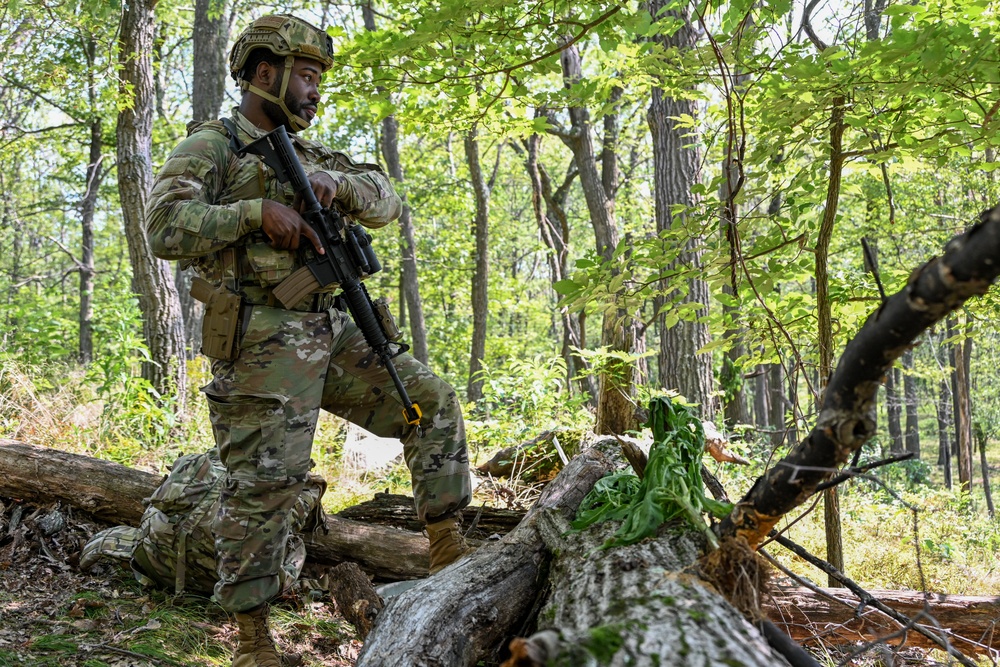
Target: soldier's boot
{"points": [[256, 645], [447, 543]]}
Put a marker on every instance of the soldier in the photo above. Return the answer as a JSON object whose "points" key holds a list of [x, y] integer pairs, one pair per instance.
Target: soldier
{"points": [[232, 220]]}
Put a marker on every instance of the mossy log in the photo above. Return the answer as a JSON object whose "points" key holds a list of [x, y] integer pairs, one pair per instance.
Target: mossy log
{"points": [[472, 608], [643, 605], [637, 605]]}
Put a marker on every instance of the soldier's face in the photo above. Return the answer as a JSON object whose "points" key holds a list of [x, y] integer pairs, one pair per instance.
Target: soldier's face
{"points": [[302, 94]]}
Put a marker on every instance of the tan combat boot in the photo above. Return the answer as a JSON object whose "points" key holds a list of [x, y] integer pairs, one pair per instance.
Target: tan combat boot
{"points": [[447, 543], [256, 646]]}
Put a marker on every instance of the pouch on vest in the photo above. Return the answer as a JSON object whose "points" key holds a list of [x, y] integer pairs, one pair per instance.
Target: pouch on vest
{"points": [[269, 265], [220, 326]]}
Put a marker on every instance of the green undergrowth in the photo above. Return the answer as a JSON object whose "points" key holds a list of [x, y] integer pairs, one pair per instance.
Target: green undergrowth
{"points": [[123, 623]]}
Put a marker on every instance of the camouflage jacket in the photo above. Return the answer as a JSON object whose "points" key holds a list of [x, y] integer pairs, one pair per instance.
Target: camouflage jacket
{"points": [[205, 200]]}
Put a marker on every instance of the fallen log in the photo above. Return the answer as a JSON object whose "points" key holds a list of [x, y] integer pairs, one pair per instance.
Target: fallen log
{"points": [[396, 510], [632, 605], [835, 616], [470, 609], [114, 493]]}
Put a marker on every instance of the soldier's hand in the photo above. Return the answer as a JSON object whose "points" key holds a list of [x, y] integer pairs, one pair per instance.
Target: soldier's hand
{"points": [[284, 226], [324, 186]]}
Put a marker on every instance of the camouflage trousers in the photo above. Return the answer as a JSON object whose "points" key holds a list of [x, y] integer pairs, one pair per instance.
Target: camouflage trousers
{"points": [[264, 406]]}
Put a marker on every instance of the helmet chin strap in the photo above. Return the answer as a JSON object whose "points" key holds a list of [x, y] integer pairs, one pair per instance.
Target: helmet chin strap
{"points": [[298, 123]]}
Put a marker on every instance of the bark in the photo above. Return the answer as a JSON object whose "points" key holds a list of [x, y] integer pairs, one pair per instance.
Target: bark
{"points": [[657, 614], [553, 227], [481, 271], [152, 280], [776, 383], [210, 34], [981, 441], [620, 329], [944, 421], [676, 169], [847, 416], [834, 547], [893, 411], [912, 434], [463, 613], [834, 617], [88, 205], [407, 238], [114, 493]]}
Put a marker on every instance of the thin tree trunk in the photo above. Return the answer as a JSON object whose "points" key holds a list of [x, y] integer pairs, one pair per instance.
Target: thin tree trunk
{"points": [[553, 227], [960, 410], [152, 280], [834, 546], [481, 272], [944, 404], [414, 305], [776, 384], [985, 468], [95, 175], [912, 434], [761, 398], [893, 410]]}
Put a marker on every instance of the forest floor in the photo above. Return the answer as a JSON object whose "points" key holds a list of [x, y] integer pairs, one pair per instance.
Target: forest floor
{"points": [[54, 615]]}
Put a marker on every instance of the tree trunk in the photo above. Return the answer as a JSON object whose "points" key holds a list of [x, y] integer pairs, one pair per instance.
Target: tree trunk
{"points": [[912, 434], [635, 606], [414, 305], [620, 329], [210, 34], [676, 167], [985, 468], [834, 547], [481, 272], [893, 411], [944, 421], [961, 410], [776, 384], [95, 175], [152, 280], [553, 227], [761, 398]]}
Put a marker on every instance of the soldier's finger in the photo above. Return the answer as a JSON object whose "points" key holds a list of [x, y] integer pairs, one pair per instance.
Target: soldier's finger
{"points": [[311, 234]]}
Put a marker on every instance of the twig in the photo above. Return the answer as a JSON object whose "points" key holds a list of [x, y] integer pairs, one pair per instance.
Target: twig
{"points": [[131, 654], [867, 599]]}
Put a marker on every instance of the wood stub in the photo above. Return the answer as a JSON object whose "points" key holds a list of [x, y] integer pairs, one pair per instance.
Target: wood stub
{"points": [[355, 596]]}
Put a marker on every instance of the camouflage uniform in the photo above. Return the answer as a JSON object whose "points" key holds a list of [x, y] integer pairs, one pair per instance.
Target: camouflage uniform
{"points": [[205, 209]]}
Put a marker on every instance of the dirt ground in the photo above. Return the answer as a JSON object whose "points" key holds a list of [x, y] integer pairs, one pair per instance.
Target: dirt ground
{"points": [[52, 614]]}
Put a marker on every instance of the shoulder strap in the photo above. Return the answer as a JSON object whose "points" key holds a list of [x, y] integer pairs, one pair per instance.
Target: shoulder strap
{"points": [[234, 136]]}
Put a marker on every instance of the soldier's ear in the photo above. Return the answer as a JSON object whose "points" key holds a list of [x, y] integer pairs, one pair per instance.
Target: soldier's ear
{"points": [[265, 74]]}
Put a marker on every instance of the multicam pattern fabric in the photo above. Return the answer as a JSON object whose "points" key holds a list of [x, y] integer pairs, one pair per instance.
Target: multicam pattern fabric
{"points": [[283, 35], [264, 404], [174, 547]]}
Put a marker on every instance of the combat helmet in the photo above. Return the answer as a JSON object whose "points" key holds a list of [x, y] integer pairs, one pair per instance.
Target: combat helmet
{"points": [[282, 35]]}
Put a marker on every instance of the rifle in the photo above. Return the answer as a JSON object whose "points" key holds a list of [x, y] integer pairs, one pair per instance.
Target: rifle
{"points": [[349, 259]]}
